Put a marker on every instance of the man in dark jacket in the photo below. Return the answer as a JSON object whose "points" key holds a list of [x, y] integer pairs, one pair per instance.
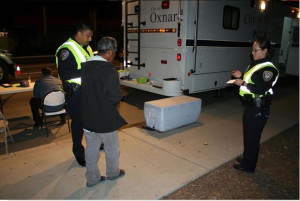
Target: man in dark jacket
{"points": [[100, 96]]}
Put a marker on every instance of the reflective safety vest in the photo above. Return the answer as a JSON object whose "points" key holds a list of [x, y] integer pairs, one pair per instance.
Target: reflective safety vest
{"points": [[247, 78], [79, 53]]}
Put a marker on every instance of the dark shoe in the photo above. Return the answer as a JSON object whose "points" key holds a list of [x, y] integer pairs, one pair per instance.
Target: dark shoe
{"points": [[81, 161], [62, 122], [101, 147], [37, 124], [122, 173], [102, 179], [239, 159], [240, 168]]}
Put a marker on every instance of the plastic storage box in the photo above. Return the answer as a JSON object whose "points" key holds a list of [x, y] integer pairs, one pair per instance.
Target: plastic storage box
{"points": [[141, 80], [169, 113]]}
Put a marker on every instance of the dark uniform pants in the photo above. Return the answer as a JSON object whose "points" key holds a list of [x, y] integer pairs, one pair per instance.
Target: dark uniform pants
{"points": [[254, 120], [35, 105], [76, 124]]}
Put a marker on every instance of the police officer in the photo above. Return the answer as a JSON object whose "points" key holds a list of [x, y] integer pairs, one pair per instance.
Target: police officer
{"points": [[256, 92], [69, 57]]}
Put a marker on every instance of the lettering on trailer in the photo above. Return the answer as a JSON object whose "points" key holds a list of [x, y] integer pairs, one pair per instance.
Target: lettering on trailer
{"points": [[258, 20], [257, 34], [158, 18], [262, 19]]}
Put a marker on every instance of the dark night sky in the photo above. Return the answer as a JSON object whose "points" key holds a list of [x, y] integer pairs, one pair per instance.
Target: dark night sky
{"points": [[23, 20]]}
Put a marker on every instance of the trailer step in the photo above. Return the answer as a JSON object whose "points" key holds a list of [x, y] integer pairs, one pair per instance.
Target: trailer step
{"points": [[138, 65], [132, 14]]}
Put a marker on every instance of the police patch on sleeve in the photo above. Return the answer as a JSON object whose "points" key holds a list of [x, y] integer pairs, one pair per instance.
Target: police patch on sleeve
{"points": [[64, 54], [267, 75]]}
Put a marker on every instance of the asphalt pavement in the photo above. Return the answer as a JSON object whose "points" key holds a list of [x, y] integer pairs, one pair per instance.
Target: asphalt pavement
{"points": [[276, 176]]}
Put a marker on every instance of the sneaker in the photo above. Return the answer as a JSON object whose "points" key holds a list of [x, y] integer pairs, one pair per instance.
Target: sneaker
{"points": [[243, 169], [122, 173], [102, 179], [37, 125], [239, 159]]}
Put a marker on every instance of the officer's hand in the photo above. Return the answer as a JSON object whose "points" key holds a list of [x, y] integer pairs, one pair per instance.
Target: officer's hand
{"points": [[236, 73]]}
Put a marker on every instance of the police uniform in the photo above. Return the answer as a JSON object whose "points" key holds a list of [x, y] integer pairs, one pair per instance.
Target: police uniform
{"points": [[260, 76], [69, 57]]}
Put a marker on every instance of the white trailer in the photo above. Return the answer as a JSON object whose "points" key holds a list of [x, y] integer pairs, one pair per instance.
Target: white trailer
{"points": [[194, 43]]}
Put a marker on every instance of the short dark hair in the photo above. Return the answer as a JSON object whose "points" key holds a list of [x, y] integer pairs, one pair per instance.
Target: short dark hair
{"points": [[106, 43], [46, 71], [82, 27]]}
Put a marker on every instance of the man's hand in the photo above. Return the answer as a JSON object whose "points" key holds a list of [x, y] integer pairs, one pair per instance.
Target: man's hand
{"points": [[239, 82]]}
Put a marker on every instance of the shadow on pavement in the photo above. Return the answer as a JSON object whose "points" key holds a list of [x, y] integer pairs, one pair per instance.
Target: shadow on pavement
{"points": [[25, 136]]}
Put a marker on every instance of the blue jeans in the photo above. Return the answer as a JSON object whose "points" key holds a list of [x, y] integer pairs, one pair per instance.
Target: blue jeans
{"points": [[112, 153]]}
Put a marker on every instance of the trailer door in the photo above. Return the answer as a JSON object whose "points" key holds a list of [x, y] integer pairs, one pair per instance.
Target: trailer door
{"points": [[289, 51]]}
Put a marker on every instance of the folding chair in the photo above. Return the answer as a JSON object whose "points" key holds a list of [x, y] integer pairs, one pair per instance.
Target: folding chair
{"points": [[53, 105], [3, 129]]}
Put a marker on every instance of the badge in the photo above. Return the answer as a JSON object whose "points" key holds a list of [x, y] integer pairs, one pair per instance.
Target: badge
{"points": [[267, 75], [64, 54]]}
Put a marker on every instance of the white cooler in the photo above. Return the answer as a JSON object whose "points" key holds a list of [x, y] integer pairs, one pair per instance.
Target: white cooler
{"points": [[169, 113]]}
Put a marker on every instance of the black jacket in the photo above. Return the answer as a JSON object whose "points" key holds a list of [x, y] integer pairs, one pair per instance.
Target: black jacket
{"points": [[100, 96], [261, 85]]}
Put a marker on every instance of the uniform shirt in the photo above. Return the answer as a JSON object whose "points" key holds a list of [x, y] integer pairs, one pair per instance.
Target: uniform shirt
{"points": [[67, 65], [262, 78], [45, 85]]}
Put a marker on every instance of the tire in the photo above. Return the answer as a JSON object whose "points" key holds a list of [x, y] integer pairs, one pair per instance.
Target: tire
{"points": [[3, 72]]}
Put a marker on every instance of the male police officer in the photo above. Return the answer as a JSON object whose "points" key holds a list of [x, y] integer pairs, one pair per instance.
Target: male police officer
{"points": [[69, 57]]}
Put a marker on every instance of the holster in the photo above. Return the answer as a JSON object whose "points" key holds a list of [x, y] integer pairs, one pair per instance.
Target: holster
{"points": [[258, 100], [266, 100], [262, 102], [69, 89], [248, 99]]}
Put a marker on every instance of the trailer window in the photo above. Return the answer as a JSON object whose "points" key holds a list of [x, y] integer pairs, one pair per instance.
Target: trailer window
{"points": [[231, 17], [295, 37]]}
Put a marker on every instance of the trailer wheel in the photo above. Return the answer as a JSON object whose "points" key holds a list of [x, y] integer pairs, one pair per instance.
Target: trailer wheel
{"points": [[186, 92], [3, 72]]}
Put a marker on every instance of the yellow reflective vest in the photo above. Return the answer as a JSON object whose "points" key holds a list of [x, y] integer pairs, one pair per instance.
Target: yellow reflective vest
{"points": [[79, 53], [247, 78]]}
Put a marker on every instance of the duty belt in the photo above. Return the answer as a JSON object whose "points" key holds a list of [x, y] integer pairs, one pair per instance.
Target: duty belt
{"points": [[259, 101], [69, 89]]}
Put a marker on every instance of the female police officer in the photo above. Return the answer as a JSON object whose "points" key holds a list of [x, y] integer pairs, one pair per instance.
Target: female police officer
{"points": [[255, 91]]}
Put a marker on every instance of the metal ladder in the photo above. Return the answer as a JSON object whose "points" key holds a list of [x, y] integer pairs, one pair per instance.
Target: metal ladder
{"points": [[129, 26]]}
